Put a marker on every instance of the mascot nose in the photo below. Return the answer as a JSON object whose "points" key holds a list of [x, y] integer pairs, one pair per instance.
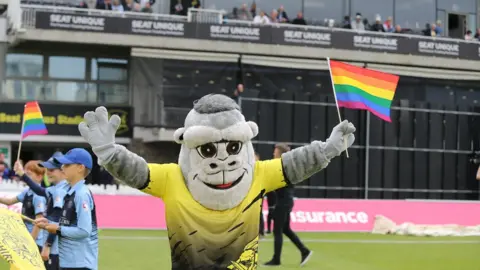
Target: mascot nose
{"points": [[214, 165]]}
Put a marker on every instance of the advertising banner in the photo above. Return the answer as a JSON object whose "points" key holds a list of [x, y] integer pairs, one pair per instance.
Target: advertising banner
{"points": [[238, 33], [263, 34], [146, 212], [60, 119]]}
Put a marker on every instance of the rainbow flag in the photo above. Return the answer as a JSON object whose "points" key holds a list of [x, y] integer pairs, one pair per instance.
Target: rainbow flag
{"points": [[361, 88], [33, 123]]}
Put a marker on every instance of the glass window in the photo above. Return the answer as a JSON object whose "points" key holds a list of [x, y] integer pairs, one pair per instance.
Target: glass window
{"points": [[461, 6], [371, 8], [186, 81], [70, 91], [316, 11], [67, 67], [113, 94], [24, 65], [414, 13], [23, 90], [109, 69], [438, 94]]}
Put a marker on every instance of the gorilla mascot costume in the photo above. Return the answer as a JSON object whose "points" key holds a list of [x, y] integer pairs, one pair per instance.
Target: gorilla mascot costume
{"points": [[213, 195]]}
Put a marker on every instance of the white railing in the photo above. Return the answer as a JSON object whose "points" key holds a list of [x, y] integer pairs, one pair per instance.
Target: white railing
{"points": [[198, 16], [205, 15]]}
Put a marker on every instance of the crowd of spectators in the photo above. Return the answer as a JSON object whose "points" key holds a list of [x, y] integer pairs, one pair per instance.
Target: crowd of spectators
{"points": [[259, 16], [113, 5], [358, 23], [180, 9], [469, 36], [120, 5]]}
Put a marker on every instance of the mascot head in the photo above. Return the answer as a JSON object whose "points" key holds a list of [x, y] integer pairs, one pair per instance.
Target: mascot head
{"points": [[217, 156]]}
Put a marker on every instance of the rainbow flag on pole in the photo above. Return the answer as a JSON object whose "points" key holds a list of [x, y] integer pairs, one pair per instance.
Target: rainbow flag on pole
{"points": [[33, 123], [361, 88]]}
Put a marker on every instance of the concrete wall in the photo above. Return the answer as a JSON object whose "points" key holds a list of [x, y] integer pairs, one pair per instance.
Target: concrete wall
{"points": [[242, 48]]}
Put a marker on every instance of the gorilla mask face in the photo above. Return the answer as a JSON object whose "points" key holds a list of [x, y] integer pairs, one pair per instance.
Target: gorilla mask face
{"points": [[217, 156], [222, 164]]}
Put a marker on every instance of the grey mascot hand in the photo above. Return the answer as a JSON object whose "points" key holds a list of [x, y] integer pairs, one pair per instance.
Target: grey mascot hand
{"points": [[99, 132], [335, 144]]}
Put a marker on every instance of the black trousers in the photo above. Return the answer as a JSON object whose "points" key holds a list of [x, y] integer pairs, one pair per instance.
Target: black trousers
{"points": [[53, 263], [281, 226], [271, 213]]}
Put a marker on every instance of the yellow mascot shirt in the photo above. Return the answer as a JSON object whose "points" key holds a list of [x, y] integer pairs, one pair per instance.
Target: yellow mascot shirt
{"points": [[201, 238]]}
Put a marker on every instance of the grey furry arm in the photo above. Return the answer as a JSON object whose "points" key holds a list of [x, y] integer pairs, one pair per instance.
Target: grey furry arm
{"points": [[125, 166], [301, 163]]}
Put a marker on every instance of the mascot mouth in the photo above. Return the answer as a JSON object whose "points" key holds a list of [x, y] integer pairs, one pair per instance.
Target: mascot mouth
{"points": [[226, 186]]}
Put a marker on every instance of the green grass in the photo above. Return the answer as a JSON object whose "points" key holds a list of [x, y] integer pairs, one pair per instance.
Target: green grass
{"points": [[145, 250]]}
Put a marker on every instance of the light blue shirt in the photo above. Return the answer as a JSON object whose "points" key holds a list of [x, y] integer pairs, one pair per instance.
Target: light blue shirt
{"points": [[78, 244], [56, 193], [39, 205]]}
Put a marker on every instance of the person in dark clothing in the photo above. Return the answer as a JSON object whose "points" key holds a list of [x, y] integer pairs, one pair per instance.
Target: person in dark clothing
{"points": [[281, 221], [271, 201], [106, 5], [346, 22], [299, 20], [378, 25], [237, 92]]}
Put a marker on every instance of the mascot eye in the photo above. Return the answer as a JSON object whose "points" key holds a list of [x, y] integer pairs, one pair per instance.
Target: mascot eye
{"points": [[234, 147], [207, 150]]}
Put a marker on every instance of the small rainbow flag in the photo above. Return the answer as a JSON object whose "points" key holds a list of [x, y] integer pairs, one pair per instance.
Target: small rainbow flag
{"points": [[33, 123], [361, 88]]}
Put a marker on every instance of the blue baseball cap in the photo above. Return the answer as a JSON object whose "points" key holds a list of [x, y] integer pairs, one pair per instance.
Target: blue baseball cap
{"points": [[51, 163], [76, 156]]}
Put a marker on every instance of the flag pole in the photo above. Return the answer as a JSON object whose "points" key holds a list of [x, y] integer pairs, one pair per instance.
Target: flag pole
{"points": [[336, 102], [21, 135], [367, 154]]}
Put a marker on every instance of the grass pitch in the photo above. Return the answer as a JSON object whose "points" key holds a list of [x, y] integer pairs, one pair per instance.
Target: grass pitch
{"points": [[145, 250]]}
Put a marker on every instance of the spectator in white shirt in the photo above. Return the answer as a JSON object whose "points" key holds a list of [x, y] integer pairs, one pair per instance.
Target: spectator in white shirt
{"points": [[116, 6], [468, 35], [274, 16], [388, 25], [261, 18], [357, 24]]}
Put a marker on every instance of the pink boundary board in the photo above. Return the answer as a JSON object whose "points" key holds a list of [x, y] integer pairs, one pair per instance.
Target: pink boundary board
{"points": [[315, 215]]}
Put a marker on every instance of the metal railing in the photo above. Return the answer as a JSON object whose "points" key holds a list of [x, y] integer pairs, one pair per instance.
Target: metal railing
{"points": [[369, 147], [205, 15], [374, 189], [200, 16]]}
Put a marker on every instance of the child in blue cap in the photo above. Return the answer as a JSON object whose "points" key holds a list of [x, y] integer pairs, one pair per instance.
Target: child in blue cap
{"points": [[77, 229]]}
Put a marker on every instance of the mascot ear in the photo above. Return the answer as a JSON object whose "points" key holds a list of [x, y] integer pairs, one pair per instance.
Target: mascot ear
{"points": [[253, 127], [178, 135]]}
